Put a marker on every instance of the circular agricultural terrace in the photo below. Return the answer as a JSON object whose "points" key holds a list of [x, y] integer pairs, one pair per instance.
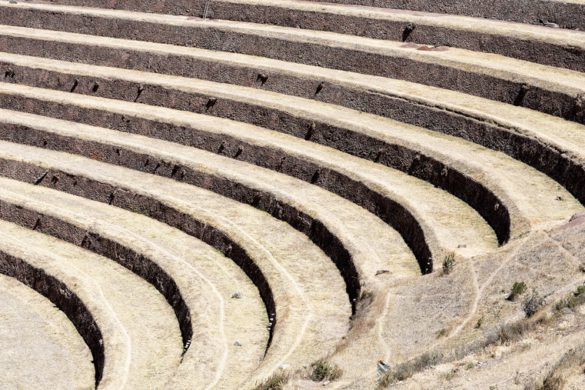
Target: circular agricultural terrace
{"points": [[245, 194]]}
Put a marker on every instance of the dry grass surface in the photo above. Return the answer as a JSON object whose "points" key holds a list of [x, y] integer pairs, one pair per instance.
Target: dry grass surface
{"points": [[499, 321], [275, 382]]}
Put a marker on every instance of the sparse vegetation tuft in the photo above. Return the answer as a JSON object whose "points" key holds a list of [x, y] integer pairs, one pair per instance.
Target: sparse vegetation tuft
{"points": [[533, 304], [553, 382], [366, 295], [275, 382], [517, 289], [479, 323], [574, 300], [406, 370], [448, 263], [365, 299], [514, 331], [322, 370]]}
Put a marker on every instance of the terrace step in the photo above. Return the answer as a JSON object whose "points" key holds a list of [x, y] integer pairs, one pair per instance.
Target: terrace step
{"points": [[33, 335], [409, 204], [206, 280], [502, 127], [566, 13], [405, 101], [550, 94], [370, 243], [535, 43], [482, 74], [131, 330], [301, 276], [403, 146]]}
